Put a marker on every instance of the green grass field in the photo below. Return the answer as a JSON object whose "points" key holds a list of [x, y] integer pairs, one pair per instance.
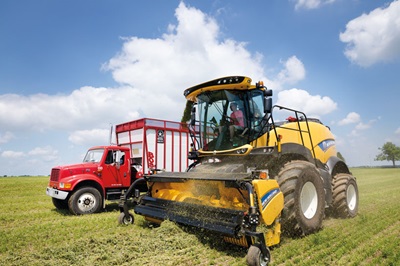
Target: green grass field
{"points": [[32, 232]]}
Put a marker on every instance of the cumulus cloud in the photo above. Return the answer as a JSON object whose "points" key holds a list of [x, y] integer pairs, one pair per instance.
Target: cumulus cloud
{"points": [[152, 74], [90, 137], [311, 4], [397, 131], [12, 154], [293, 72], [374, 37], [311, 105], [6, 137], [189, 53], [351, 118], [46, 153]]}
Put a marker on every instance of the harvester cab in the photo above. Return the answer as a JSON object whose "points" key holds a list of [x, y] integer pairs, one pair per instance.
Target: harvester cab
{"points": [[252, 178], [231, 112]]}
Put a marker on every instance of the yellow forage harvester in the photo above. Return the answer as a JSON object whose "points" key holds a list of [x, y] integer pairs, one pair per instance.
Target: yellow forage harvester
{"points": [[252, 178]]}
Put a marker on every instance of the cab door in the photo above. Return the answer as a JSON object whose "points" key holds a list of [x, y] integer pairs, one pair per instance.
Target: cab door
{"points": [[116, 169]]}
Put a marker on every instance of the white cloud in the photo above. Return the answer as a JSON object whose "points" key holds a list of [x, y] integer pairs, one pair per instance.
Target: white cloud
{"points": [[293, 72], [397, 131], [374, 37], [6, 137], [153, 74], [351, 118], [311, 4], [90, 137], [46, 153], [311, 105], [12, 154], [362, 126], [189, 53]]}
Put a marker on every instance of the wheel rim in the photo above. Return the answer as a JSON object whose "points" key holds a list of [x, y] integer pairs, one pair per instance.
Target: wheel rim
{"points": [[128, 220], [351, 196], [86, 202], [309, 200]]}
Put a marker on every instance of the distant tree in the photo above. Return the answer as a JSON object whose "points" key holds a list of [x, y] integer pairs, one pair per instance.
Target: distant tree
{"points": [[389, 152], [340, 156]]}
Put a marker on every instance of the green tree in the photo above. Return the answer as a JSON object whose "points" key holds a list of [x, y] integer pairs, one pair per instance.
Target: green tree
{"points": [[389, 152]]}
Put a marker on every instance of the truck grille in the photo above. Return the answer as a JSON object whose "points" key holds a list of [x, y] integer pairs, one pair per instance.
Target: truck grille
{"points": [[54, 174]]}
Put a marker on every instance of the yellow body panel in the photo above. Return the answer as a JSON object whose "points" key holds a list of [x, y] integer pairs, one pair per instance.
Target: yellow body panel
{"points": [[271, 203], [322, 138], [270, 199]]}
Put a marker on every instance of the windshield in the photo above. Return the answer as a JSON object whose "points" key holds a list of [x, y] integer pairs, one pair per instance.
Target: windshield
{"points": [[229, 118], [93, 156]]}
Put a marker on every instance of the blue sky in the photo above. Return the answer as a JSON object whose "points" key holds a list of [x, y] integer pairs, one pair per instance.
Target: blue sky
{"points": [[69, 69]]}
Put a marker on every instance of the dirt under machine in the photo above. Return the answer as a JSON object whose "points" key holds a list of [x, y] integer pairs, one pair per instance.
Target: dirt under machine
{"points": [[253, 178]]}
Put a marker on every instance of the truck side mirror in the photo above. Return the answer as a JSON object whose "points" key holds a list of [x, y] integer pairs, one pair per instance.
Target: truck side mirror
{"points": [[267, 105], [193, 117]]}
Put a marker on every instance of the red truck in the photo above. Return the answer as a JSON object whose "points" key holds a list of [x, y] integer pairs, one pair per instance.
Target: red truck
{"points": [[143, 146]]}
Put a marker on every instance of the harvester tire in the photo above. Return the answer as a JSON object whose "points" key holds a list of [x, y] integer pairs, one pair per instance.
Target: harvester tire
{"points": [[304, 195], [255, 257], [84, 201], [345, 196], [60, 204], [124, 220]]}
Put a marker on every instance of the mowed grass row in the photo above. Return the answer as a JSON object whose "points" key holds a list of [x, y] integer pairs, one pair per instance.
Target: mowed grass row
{"points": [[32, 232]]}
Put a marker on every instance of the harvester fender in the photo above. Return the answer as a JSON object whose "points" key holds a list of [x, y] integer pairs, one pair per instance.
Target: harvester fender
{"points": [[336, 165], [270, 199]]}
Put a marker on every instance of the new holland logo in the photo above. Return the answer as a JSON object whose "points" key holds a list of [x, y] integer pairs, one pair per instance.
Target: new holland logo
{"points": [[268, 197], [326, 144]]}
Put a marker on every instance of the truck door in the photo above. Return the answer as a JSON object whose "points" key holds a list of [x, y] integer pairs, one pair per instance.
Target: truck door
{"points": [[116, 169]]}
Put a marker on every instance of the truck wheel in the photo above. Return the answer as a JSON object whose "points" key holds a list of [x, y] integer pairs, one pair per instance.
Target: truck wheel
{"points": [[85, 200], [60, 204], [255, 257], [123, 219], [345, 196], [304, 195]]}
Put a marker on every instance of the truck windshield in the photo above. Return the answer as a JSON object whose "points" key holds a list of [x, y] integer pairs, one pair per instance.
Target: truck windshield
{"points": [[93, 156], [229, 118]]}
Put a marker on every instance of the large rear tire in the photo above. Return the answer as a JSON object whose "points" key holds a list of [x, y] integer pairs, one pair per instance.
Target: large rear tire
{"points": [[304, 195], [345, 196], [85, 200]]}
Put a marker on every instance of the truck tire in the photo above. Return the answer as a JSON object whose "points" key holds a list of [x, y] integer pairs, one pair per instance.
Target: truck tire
{"points": [[85, 200], [344, 196], [60, 204], [304, 195]]}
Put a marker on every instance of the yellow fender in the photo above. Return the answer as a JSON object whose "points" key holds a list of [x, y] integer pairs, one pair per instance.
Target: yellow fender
{"points": [[270, 199]]}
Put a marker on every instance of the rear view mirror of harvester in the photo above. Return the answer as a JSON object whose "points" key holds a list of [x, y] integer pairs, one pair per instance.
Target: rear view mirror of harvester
{"points": [[252, 178], [143, 146]]}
